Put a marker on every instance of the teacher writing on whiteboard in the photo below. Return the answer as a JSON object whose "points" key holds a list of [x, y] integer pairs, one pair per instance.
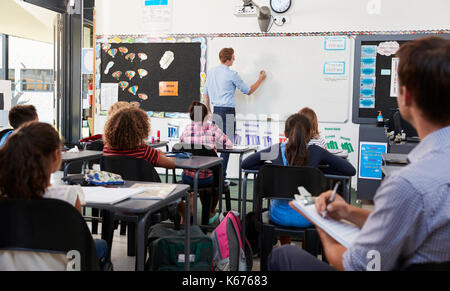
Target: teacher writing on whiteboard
{"points": [[220, 87]]}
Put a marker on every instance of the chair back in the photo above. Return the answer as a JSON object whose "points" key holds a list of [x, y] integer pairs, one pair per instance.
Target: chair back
{"points": [[195, 149], [46, 225], [283, 181], [130, 168], [199, 150], [276, 181]]}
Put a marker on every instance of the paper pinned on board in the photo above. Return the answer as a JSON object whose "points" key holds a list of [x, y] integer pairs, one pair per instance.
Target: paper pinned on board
{"points": [[109, 95]]}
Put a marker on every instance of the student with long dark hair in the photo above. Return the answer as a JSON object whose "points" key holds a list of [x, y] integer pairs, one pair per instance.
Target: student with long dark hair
{"points": [[296, 153], [28, 158]]}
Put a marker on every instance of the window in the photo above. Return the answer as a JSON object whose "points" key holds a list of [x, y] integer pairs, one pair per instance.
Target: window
{"points": [[12, 78], [37, 80]]}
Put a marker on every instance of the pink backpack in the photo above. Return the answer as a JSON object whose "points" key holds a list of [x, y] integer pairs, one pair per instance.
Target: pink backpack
{"points": [[229, 251]]}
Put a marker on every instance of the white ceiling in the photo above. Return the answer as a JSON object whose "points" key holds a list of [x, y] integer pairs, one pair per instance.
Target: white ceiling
{"points": [[21, 19]]}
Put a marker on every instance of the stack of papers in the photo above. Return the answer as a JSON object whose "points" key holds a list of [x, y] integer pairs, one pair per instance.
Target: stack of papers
{"points": [[103, 195], [343, 232]]}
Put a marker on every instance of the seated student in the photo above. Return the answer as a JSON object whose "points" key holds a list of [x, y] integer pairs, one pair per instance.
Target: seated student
{"points": [[295, 153], [200, 131], [125, 134], [117, 106], [17, 116], [315, 139], [31, 155], [410, 225]]}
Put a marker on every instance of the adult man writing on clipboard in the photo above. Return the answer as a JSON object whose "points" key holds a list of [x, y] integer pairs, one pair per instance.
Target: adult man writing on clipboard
{"points": [[220, 87], [410, 226]]}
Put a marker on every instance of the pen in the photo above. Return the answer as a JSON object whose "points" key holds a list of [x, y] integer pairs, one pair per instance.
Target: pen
{"points": [[324, 213]]}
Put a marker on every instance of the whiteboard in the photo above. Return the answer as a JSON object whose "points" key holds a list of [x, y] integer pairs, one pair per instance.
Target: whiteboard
{"points": [[295, 75]]}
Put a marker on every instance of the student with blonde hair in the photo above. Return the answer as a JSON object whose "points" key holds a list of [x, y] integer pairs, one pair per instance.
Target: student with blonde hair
{"points": [[315, 137]]}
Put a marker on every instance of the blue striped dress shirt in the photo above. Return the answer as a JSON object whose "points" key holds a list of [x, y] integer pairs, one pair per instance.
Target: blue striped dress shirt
{"points": [[221, 84], [411, 221]]}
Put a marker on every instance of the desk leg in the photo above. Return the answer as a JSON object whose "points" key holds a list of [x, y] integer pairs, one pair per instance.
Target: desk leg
{"points": [[244, 207], [240, 182], [194, 221], [187, 232], [221, 180], [66, 169], [140, 244], [108, 229], [167, 170]]}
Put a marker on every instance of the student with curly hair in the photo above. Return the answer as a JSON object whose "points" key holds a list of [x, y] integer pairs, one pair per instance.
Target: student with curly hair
{"points": [[125, 135], [31, 155]]}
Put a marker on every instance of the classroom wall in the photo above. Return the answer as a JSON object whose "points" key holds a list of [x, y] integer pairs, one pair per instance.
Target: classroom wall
{"points": [[117, 17], [208, 16]]}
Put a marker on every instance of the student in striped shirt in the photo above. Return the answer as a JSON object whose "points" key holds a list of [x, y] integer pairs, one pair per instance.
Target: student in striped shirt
{"points": [[316, 139], [201, 131], [125, 135]]}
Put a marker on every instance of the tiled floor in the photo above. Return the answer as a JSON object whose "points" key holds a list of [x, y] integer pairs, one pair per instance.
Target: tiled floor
{"points": [[124, 263]]}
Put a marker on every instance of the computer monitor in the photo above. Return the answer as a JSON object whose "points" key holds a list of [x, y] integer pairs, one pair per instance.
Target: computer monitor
{"points": [[400, 124]]}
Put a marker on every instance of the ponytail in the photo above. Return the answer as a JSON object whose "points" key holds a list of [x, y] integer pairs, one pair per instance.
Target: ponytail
{"points": [[296, 130], [25, 161]]}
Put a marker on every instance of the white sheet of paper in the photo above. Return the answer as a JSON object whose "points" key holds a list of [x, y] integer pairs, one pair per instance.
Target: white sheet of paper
{"points": [[394, 77], [109, 94], [103, 195], [342, 232]]}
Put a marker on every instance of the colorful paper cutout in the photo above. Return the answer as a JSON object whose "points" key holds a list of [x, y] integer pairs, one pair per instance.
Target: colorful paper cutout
{"points": [[123, 85], [133, 90], [142, 56], [142, 73], [143, 96], [130, 57], [123, 50], [117, 75], [112, 52], [130, 74]]}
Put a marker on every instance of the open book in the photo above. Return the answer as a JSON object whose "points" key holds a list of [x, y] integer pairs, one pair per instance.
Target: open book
{"points": [[153, 191], [341, 231]]}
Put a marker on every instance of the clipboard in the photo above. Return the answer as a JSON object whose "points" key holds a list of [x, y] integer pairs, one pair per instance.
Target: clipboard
{"points": [[343, 232]]}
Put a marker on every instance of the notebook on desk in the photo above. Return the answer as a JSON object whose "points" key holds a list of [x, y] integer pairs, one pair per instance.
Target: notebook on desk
{"points": [[343, 232], [103, 195], [153, 191]]}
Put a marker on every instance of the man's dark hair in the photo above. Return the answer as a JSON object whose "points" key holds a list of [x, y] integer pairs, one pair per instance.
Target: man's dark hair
{"points": [[20, 114], [424, 69]]}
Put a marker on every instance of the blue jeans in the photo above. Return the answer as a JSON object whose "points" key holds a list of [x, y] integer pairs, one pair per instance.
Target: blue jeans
{"points": [[101, 247], [201, 182], [228, 126]]}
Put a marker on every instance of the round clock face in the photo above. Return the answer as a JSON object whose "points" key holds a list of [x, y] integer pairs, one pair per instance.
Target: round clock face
{"points": [[280, 6]]}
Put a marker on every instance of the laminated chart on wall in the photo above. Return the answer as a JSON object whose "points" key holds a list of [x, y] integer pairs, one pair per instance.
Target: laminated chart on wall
{"points": [[370, 160], [160, 76], [368, 79]]}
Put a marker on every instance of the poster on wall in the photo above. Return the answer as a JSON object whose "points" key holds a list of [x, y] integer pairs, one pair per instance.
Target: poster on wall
{"points": [[370, 160], [394, 77], [156, 15]]}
